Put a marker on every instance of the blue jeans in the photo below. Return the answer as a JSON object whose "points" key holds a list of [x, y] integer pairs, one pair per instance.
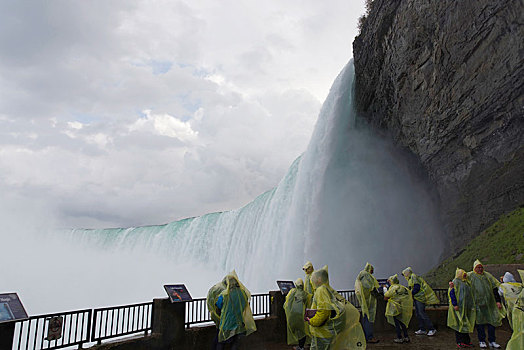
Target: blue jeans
{"points": [[424, 322], [481, 332], [399, 326], [367, 327]]}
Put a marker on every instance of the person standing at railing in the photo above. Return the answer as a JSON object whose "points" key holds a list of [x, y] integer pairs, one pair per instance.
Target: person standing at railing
{"points": [[211, 299], [517, 320], [308, 269], [487, 300], [335, 324], [422, 295], [509, 290], [461, 310], [366, 289], [399, 308], [236, 317], [295, 305]]}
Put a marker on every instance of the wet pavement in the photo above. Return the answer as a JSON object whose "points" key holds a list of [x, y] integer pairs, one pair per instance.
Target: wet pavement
{"points": [[444, 339]]}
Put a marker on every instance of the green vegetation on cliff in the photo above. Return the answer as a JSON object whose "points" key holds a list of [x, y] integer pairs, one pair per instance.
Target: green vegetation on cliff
{"points": [[501, 243]]}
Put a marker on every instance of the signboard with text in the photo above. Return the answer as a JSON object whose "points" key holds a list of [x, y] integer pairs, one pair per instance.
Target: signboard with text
{"points": [[177, 292], [11, 308]]}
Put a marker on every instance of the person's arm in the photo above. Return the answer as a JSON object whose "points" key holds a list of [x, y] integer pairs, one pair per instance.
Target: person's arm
{"points": [[416, 289], [320, 317], [497, 297], [453, 298]]}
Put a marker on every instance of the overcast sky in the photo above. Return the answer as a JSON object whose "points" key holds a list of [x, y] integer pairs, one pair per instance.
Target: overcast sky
{"points": [[124, 113]]}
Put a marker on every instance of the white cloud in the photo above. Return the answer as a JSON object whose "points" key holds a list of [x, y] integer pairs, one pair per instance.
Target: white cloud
{"points": [[231, 92]]}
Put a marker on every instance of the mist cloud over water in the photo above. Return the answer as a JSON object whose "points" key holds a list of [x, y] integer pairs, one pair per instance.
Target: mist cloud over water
{"points": [[351, 198]]}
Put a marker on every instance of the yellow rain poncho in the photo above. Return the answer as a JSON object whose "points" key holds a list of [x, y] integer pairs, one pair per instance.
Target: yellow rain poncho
{"points": [[236, 316], [425, 295], [341, 329], [212, 297], [463, 320], [517, 338], [400, 302], [295, 305], [364, 284], [510, 291], [308, 286], [483, 285]]}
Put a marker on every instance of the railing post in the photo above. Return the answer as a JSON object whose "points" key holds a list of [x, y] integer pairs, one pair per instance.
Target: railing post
{"points": [[7, 332], [169, 321]]}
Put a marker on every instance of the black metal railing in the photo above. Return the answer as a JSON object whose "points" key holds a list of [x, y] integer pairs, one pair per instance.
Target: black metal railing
{"points": [[197, 312], [117, 321], [261, 304], [350, 296], [53, 331], [442, 295]]}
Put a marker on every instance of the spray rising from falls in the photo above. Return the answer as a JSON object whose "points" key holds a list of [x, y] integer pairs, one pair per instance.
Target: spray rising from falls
{"points": [[350, 198]]}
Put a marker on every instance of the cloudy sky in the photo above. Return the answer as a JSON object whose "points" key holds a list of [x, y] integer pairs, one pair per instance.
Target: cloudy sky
{"points": [[124, 113]]}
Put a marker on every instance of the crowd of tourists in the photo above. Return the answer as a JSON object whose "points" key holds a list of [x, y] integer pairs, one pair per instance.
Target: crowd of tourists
{"points": [[318, 316]]}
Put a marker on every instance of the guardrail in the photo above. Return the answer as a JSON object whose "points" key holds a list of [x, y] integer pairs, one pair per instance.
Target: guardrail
{"points": [[442, 295], [350, 296], [53, 331], [117, 321]]}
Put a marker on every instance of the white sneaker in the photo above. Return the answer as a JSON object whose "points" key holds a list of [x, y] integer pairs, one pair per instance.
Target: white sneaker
{"points": [[482, 345], [494, 345], [431, 332], [420, 332]]}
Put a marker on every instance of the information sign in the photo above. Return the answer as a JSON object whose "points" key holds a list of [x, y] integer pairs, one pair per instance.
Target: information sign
{"points": [[285, 286], [11, 308], [177, 292]]}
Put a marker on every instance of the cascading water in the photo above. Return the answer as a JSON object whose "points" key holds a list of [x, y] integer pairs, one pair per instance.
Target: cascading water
{"points": [[350, 198]]}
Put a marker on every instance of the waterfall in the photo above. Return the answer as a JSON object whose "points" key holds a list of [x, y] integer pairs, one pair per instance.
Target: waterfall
{"points": [[350, 198]]}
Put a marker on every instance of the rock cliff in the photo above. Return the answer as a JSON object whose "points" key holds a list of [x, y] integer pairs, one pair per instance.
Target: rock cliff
{"points": [[445, 79]]}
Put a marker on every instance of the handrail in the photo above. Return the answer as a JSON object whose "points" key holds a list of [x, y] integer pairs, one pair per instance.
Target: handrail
{"points": [[117, 321], [34, 333]]}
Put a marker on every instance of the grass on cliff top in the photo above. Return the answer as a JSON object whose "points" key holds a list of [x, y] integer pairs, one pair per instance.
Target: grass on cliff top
{"points": [[501, 243]]}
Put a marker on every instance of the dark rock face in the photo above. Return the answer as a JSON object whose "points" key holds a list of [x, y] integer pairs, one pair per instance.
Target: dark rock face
{"points": [[445, 79]]}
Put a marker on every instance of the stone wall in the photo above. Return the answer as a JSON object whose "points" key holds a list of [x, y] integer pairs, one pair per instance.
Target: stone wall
{"points": [[445, 80]]}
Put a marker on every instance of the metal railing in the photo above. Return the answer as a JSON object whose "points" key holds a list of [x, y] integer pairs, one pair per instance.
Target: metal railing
{"points": [[53, 331], [117, 321], [198, 313], [442, 295], [350, 296]]}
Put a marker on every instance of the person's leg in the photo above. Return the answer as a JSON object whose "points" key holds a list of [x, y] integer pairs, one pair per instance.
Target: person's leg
{"points": [[491, 333], [420, 315], [366, 326], [458, 337], [234, 342], [465, 338], [302, 342], [398, 328], [214, 346], [481, 333], [404, 330]]}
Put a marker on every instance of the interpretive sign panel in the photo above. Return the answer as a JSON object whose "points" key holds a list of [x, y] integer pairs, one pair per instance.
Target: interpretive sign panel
{"points": [[177, 292], [11, 308], [285, 286]]}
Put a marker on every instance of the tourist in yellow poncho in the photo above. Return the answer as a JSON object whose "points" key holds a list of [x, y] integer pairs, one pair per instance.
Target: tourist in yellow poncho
{"points": [[487, 300], [366, 290], [335, 325], [308, 286], [296, 301], [399, 308], [509, 289], [517, 319], [461, 310], [212, 297], [422, 295], [236, 317]]}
